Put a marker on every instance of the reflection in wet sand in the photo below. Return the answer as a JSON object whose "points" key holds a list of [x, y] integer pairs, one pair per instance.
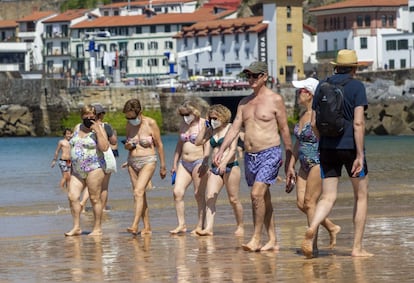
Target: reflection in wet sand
{"points": [[118, 256]]}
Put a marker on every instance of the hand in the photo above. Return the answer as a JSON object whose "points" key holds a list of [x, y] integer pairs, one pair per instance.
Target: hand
{"points": [[53, 163], [217, 158], [163, 172], [357, 167]]}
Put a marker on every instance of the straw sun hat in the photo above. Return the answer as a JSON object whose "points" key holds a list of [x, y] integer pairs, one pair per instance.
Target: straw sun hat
{"points": [[346, 58]]}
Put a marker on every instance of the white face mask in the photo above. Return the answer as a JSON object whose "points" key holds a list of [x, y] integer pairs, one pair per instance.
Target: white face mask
{"points": [[135, 122], [215, 124], [188, 119]]}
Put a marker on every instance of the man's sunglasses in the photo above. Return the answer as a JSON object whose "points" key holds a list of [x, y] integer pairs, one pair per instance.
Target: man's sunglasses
{"points": [[252, 75]]}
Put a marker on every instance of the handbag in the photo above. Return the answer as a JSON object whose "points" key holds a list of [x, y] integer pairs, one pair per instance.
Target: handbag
{"points": [[110, 161]]}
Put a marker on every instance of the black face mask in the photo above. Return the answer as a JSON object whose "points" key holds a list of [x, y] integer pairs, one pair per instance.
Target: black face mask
{"points": [[88, 122]]}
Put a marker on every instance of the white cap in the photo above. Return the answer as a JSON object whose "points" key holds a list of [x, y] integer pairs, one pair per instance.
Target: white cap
{"points": [[309, 84]]}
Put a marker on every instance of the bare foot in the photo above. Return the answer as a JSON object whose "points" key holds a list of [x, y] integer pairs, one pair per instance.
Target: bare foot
{"points": [[307, 243], [146, 232], [252, 246], [196, 230], [179, 229], [361, 253], [332, 234], [95, 233], [239, 231], [204, 233], [270, 246], [132, 230], [74, 232]]}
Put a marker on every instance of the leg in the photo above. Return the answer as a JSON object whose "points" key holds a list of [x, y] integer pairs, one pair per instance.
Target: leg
{"points": [[75, 189], [313, 192], [200, 183], [259, 214], [214, 186], [140, 182], [182, 181], [269, 223], [84, 200], [232, 182], [323, 208], [94, 183], [360, 186], [105, 188]]}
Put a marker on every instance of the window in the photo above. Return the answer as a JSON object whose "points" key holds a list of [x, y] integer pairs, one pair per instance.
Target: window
{"points": [[79, 50], [138, 30], [325, 45], [139, 46], [289, 27], [359, 21], [169, 45], [345, 43], [152, 45], [391, 45], [412, 9], [367, 20], [196, 41], [153, 62], [403, 64], [123, 46], [335, 44], [64, 47], [167, 28], [138, 63], [363, 42], [236, 38], [247, 37], [49, 47], [383, 21], [391, 63], [65, 65], [65, 31], [403, 44], [288, 11], [289, 53], [165, 62], [153, 29], [49, 65], [391, 21], [236, 53]]}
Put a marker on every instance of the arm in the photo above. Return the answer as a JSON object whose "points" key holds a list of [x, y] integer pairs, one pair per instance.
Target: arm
{"points": [[204, 134], [55, 157], [359, 132], [313, 124], [160, 147], [281, 118], [102, 138], [177, 154]]}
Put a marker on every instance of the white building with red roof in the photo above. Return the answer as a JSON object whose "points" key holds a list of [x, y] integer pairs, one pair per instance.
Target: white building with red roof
{"points": [[381, 31]]}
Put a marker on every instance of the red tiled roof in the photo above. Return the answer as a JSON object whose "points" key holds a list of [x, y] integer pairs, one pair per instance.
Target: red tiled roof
{"points": [[361, 3], [144, 3], [223, 3], [202, 14], [7, 24], [224, 26], [310, 29], [67, 16], [35, 16]]}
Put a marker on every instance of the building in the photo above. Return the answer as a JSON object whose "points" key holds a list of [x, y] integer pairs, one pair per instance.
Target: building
{"points": [[139, 42], [234, 45], [284, 38], [381, 32]]}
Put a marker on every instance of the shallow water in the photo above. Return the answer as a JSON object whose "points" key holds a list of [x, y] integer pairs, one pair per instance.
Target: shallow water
{"points": [[34, 215]]}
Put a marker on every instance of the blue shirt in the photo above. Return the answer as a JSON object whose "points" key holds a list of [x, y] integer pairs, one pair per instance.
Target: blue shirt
{"points": [[355, 95]]}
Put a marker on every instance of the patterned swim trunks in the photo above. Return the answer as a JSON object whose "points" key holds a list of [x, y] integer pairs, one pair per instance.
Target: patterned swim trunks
{"points": [[263, 166], [65, 165]]}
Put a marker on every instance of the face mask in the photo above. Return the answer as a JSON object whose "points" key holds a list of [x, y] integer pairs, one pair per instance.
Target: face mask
{"points": [[88, 122], [215, 124], [188, 119], [135, 122]]}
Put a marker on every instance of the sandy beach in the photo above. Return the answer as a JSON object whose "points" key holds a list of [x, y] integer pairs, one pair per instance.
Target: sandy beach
{"points": [[34, 248]]}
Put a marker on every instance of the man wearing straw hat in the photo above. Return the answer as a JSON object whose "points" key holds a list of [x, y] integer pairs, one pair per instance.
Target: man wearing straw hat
{"points": [[344, 150]]}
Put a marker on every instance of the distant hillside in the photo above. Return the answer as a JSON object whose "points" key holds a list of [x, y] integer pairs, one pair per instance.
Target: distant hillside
{"points": [[15, 9]]}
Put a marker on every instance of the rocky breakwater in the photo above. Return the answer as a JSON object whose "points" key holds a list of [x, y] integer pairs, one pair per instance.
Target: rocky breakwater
{"points": [[16, 120]]}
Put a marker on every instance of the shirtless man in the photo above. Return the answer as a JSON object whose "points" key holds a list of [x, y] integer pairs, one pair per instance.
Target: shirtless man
{"points": [[64, 161], [262, 115]]}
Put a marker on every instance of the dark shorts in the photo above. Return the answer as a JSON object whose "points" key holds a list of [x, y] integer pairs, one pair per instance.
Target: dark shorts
{"points": [[263, 166], [332, 161], [65, 165]]}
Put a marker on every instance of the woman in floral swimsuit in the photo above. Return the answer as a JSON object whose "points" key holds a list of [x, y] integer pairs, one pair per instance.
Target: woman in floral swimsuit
{"points": [[87, 144], [308, 180]]}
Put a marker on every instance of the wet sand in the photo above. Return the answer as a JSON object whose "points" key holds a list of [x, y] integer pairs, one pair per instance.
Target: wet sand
{"points": [[34, 248]]}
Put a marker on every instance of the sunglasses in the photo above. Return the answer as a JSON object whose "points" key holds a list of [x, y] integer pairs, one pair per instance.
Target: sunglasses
{"points": [[185, 114], [252, 75], [212, 118]]}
